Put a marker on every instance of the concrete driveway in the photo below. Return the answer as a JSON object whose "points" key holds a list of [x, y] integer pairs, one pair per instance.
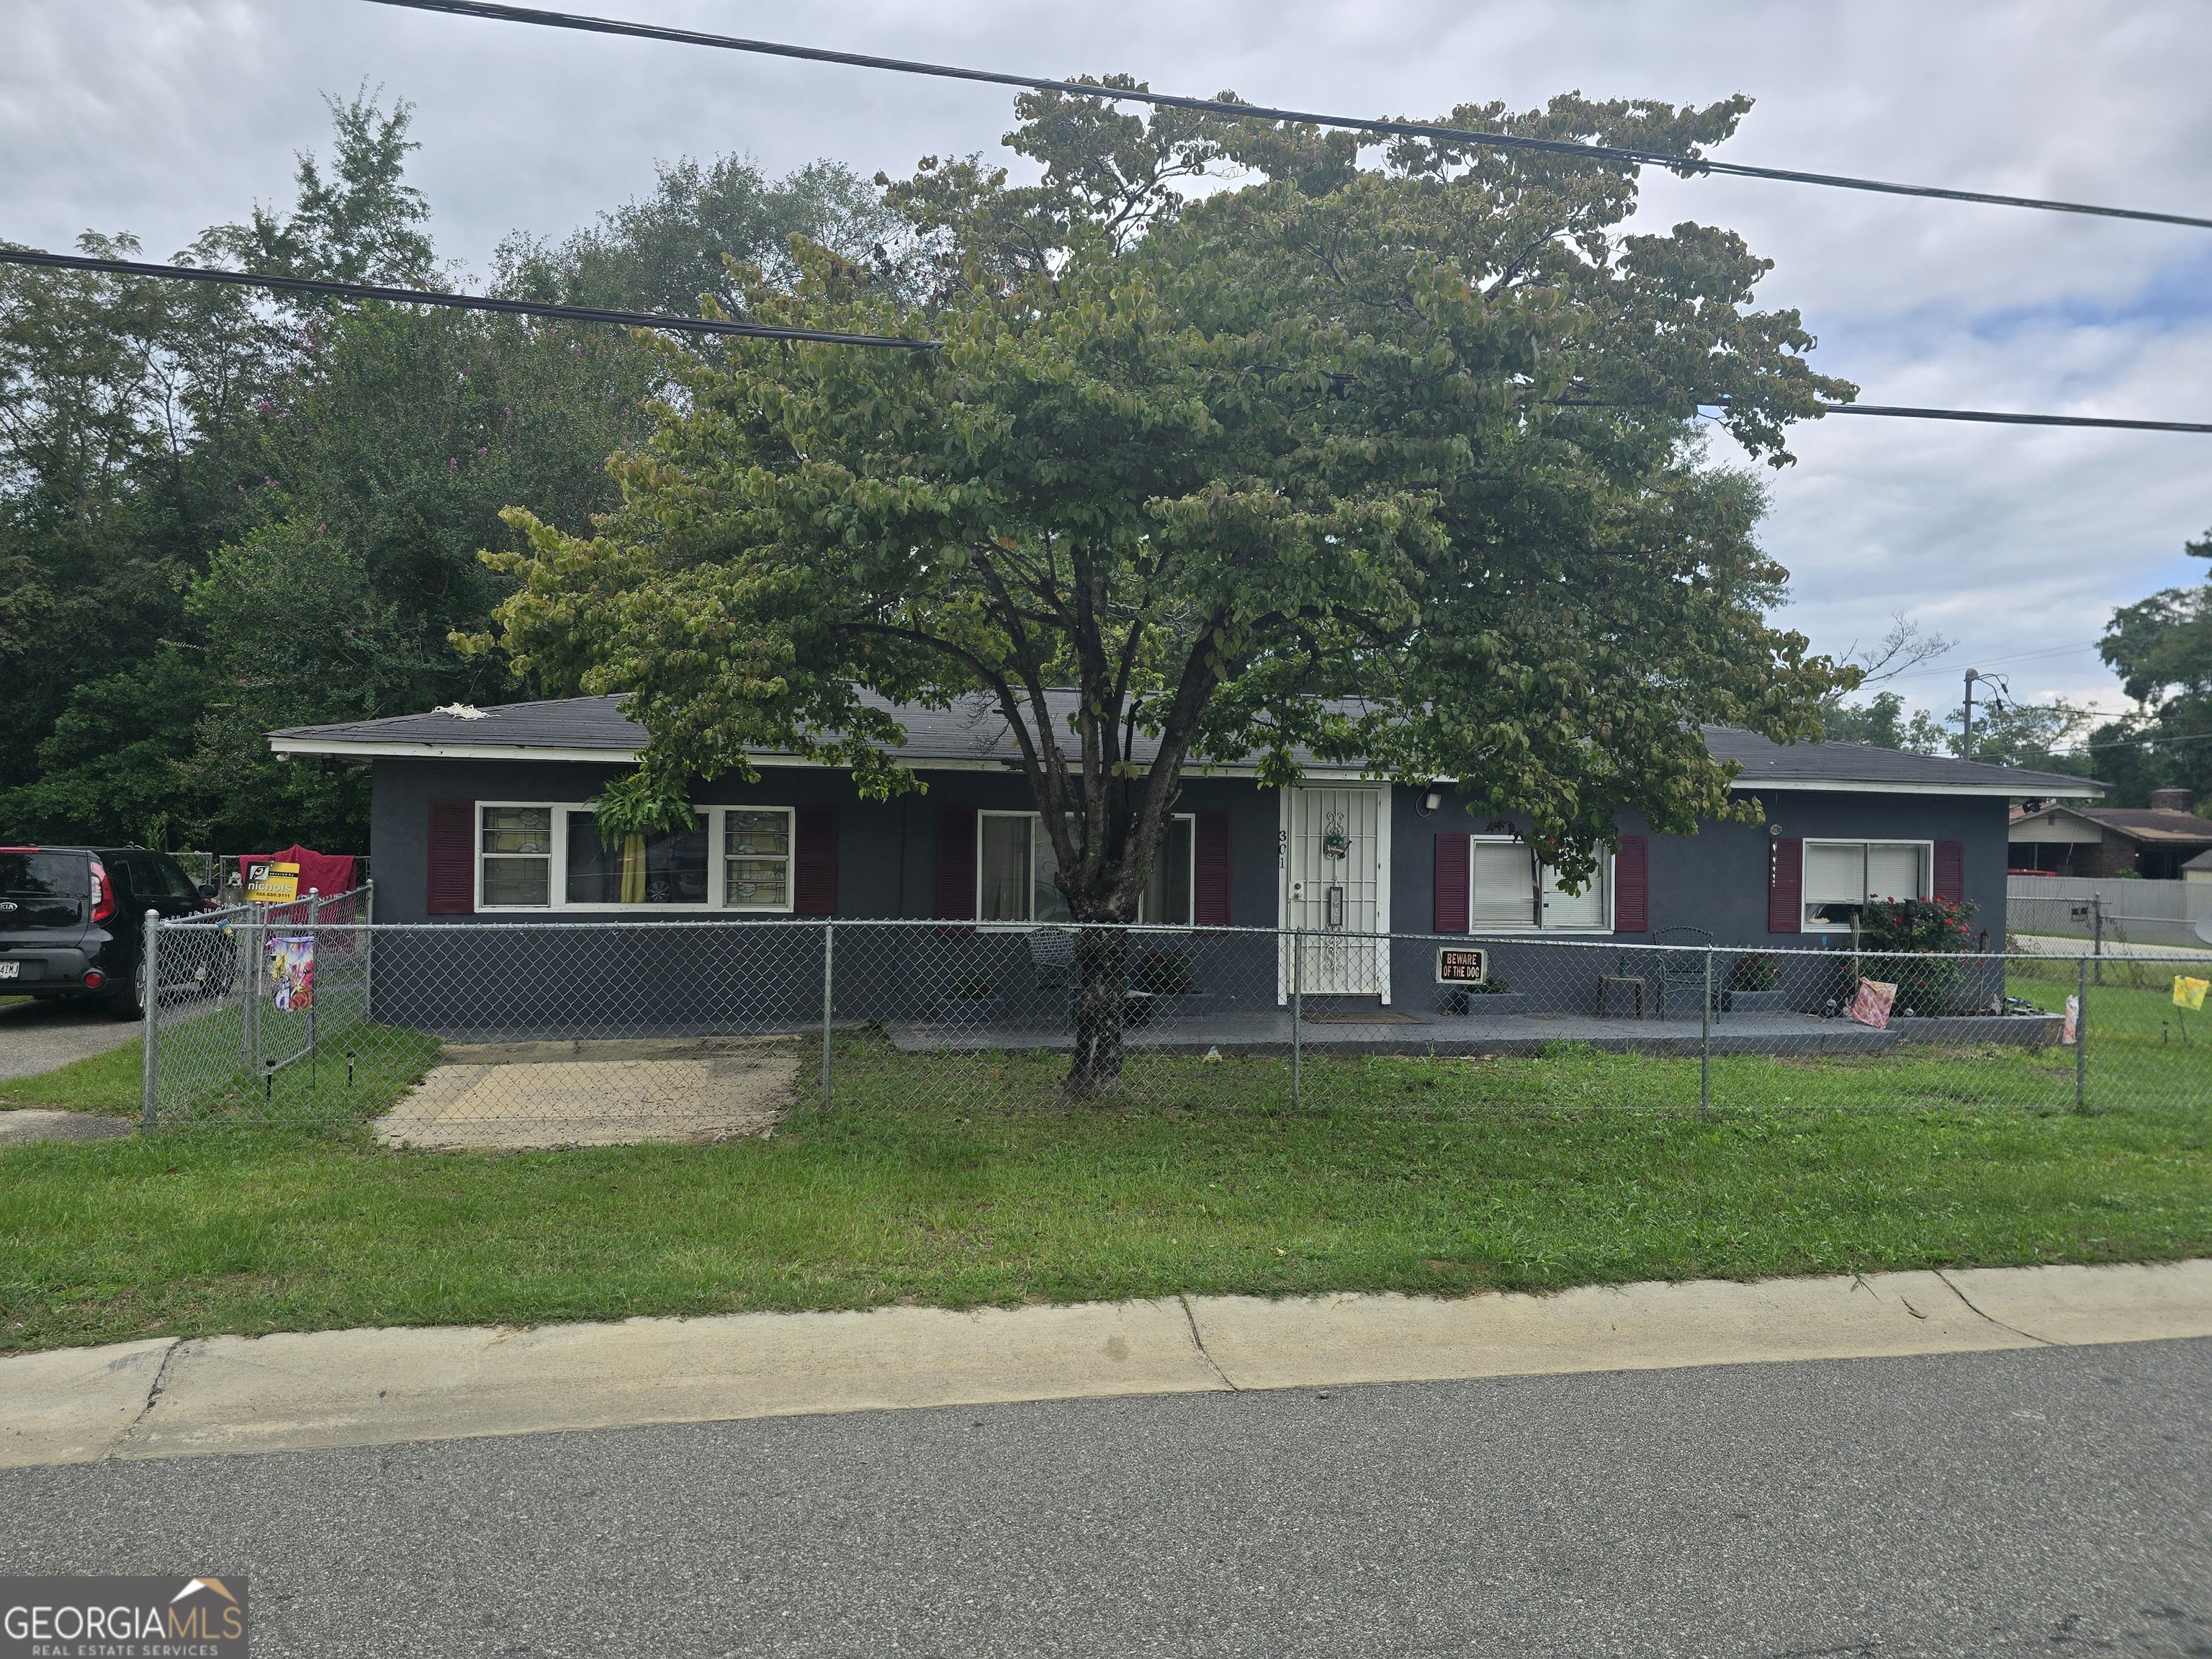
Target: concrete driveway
{"points": [[39, 1036]]}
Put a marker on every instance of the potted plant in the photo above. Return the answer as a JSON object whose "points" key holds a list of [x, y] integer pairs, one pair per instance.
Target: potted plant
{"points": [[1164, 982], [1163, 974], [973, 997], [1755, 986]]}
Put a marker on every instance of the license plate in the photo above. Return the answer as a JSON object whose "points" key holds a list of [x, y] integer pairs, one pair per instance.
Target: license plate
{"points": [[8, 970]]}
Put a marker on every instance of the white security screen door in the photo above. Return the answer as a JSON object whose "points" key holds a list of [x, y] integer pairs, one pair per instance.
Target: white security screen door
{"points": [[1336, 889]]}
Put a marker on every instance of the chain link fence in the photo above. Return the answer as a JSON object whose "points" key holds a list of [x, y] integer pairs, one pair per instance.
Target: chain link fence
{"points": [[555, 1033], [2114, 918]]}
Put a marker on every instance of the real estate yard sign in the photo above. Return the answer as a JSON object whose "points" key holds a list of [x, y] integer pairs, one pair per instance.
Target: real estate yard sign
{"points": [[270, 882]]}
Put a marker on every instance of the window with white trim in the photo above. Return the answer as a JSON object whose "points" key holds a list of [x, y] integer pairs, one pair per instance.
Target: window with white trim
{"points": [[1841, 877], [516, 856], [1510, 890], [549, 856], [756, 858], [1015, 865]]}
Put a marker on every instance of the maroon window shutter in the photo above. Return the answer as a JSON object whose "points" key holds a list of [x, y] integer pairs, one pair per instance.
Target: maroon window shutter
{"points": [[1951, 871], [1785, 885], [1631, 885], [452, 888], [814, 863], [955, 864], [1209, 898], [1454, 865]]}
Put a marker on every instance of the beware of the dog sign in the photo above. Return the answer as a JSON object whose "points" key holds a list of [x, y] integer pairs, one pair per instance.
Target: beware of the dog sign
{"points": [[1458, 964]]}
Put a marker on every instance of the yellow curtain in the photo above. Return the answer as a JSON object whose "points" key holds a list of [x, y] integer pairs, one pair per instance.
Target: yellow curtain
{"points": [[633, 868]]}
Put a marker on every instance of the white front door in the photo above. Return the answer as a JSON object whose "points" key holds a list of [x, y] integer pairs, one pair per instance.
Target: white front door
{"points": [[1336, 889]]}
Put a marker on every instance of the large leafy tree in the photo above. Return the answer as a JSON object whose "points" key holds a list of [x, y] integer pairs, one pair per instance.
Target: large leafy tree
{"points": [[120, 436], [2161, 648], [220, 513], [135, 442], [1395, 460]]}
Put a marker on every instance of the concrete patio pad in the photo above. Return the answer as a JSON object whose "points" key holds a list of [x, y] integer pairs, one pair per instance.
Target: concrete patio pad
{"points": [[510, 1097]]}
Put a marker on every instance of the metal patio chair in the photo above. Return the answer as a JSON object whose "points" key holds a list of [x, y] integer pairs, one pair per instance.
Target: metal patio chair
{"points": [[1685, 971], [1052, 967]]}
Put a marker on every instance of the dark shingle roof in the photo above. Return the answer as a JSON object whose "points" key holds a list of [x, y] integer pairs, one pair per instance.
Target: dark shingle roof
{"points": [[973, 731], [563, 723], [1847, 763]]}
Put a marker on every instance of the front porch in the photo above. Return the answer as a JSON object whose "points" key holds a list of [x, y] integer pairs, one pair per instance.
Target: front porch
{"points": [[1393, 1031]]}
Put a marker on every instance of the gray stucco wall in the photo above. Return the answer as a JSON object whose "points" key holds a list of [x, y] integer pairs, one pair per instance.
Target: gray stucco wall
{"points": [[886, 851], [1716, 880]]}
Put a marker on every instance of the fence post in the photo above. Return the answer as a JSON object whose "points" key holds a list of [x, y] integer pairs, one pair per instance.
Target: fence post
{"points": [[364, 938], [2081, 1035], [1298, 1015], [314, 943], [150, 1075], [249, 1013], [1705, 1041], [829, 994]]}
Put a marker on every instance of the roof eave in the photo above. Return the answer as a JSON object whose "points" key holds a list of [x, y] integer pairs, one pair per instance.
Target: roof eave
{"points": [[1863, 787], [361, 749]]}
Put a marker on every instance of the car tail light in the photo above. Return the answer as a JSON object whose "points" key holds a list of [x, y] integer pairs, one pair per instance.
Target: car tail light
{"points": [[93, 979], [103, 893]]}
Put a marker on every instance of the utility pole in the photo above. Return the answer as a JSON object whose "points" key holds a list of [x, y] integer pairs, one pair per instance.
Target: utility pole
{"points": [[1966, 739]]}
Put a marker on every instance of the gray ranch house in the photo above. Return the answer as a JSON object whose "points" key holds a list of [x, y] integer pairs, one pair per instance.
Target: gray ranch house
{"points": [[485, 817]]}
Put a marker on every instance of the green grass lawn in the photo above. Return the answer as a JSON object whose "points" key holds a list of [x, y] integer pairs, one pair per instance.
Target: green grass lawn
{"points": [[963, 1182]]}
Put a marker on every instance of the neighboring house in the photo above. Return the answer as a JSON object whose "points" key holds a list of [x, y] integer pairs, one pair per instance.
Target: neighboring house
{"points": [[2153, 841], [483, 816]]}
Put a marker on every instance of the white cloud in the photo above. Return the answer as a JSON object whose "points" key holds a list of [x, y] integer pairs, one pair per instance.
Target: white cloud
{"points": [[163, 116]]}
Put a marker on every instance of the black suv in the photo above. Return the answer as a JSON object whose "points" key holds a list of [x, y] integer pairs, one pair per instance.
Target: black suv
{"points": [[73, 924]]}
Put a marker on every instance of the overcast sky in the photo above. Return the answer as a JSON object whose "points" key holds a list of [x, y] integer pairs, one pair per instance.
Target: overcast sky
{"points": [[161, 117]]}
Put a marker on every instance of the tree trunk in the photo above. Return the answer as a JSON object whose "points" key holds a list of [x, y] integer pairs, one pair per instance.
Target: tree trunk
{"points": [[1102, 964]]}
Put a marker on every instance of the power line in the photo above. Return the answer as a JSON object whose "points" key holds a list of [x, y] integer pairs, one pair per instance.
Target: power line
{"points": [[2004, 418], [424, 297], [1898, 411], [2132, 743], [1679, 164], [419, 296], [2017, 656]]}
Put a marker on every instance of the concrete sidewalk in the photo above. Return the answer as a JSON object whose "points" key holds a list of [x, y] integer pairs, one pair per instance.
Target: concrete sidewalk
{"points": [[228, 1394]]}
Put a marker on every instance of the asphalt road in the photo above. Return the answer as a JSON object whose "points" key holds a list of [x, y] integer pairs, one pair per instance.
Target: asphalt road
{"points": [[2042, 1501], [38, 1036]]}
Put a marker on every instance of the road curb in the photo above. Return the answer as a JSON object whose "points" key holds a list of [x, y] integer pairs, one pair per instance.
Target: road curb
{"points": [[228, 1394]]}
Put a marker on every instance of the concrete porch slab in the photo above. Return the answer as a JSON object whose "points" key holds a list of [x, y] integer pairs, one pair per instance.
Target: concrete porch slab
{"points": [[1407, 1032]]}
